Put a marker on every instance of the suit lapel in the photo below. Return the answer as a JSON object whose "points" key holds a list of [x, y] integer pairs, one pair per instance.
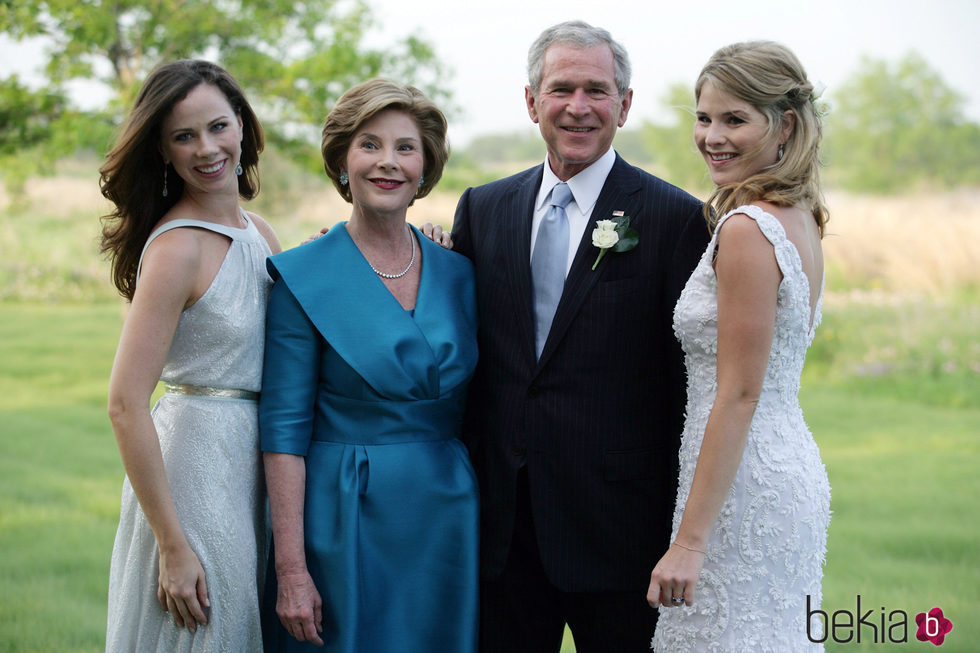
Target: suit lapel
{"points": [[516, 252], [617, 195]]}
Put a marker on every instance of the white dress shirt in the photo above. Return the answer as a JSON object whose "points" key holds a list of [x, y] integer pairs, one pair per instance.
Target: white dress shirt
{"points": [[585, 187]]}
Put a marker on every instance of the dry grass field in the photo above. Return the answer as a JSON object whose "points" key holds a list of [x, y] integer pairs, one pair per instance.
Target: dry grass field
{"points": [[913, 244]]}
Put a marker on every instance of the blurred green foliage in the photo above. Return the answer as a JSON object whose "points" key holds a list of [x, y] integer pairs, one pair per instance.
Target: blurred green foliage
{"points": [[523, 146], [26, 116], [897, 125], [672, 145], [890, 126], [498, 155], [912, 348], [37, 127], [294, 59]]}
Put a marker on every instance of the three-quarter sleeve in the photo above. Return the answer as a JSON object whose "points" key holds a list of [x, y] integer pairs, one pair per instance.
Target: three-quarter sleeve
{"points": [[290, 375]]}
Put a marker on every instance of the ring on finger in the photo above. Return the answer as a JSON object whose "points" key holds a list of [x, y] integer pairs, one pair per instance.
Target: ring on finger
{"points": [[677, 600]]}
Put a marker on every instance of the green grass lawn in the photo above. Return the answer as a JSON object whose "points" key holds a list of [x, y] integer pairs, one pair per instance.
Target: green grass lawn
{"points": [[60, 475], [905, 527], [904, 475]]}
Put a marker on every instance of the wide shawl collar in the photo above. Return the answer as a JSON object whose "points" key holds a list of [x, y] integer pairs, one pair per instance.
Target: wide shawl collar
{"points": [[401, 357], [616, 195]]}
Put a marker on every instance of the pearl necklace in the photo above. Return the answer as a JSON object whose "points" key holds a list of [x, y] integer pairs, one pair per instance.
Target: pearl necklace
{"points": [[403, 272]]}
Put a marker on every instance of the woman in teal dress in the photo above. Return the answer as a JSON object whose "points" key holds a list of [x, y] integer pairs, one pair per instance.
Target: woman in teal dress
{"points": [[370, 344]]}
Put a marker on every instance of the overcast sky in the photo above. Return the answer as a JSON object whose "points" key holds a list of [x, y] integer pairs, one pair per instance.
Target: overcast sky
{"points": [[486, 43]]}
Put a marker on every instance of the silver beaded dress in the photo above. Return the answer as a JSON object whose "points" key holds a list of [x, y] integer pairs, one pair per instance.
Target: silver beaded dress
{"points": [[212, 460]]}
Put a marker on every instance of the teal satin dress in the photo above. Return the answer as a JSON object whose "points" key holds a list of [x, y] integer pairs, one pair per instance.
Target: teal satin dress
{"points": [[372, 396]]}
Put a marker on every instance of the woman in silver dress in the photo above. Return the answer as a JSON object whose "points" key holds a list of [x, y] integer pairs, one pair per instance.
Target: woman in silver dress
{"points": [[187, 566]]}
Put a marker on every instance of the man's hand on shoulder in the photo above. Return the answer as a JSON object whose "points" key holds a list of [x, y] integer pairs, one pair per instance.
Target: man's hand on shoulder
{"points": [[437, 235], [313, 237]]}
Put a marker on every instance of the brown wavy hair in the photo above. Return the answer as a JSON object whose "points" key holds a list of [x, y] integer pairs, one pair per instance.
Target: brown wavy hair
{"points": [[133, 172], [366, 100], [769, 76]]}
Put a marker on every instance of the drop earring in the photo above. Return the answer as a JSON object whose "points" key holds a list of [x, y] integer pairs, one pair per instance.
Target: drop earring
{"points": [[421, 181], [238, 169], [343, 179], [779, 153], [165, 166]]}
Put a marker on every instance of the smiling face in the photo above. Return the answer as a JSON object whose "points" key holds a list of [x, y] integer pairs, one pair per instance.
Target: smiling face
{"points": [[202, 139], [577, 106], [733, 136], [384, 164]]}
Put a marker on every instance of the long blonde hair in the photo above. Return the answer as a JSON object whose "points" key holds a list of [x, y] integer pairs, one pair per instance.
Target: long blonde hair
{"points": [[768, 76]]}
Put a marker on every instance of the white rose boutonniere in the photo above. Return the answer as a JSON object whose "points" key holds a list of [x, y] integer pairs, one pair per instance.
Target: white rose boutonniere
{"points": [[615, 235], [605, 235]]}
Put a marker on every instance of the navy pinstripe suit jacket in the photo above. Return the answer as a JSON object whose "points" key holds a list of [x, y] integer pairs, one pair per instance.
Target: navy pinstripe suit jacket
{"points": [[597, 420]]}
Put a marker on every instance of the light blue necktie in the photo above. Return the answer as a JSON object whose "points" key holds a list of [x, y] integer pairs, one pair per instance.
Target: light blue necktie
{"points": [[548, 263]]}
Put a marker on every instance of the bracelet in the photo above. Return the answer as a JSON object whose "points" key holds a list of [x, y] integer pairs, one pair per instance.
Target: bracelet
{"points": [[689, 548]]}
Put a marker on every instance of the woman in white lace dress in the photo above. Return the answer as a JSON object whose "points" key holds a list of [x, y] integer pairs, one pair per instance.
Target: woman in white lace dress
{"points": [[753, 501], [188, 559]]}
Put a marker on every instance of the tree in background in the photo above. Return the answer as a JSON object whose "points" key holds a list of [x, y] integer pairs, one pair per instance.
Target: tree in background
{"points": [[32, 121], [891, 126], [294, 58], [895, 126]]}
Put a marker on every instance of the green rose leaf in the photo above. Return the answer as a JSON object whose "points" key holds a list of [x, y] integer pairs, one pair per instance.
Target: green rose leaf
{"points": [[628, 239]]}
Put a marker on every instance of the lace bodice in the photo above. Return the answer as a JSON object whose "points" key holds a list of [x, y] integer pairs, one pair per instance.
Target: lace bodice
{"points": [[765, 553], [696, 316]]}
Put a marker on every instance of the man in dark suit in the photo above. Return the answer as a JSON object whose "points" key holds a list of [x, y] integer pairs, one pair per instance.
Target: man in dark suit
{"points": [[574, 433]]}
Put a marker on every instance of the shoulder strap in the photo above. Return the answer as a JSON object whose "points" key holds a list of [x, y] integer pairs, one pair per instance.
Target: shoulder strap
{"points": [[770, 227], [230, 232], [787, 258]]}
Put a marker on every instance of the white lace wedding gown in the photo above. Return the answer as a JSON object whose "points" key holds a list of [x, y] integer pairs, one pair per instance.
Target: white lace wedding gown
{"points": [[211, 454], [765, 554]]}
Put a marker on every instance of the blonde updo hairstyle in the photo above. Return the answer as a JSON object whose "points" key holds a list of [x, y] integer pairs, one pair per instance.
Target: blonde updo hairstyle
{"points": [[362, 103], [769, 76]]}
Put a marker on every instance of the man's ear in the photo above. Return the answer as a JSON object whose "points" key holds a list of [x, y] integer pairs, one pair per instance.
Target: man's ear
{"points": [[532, 108], [624, 106]]}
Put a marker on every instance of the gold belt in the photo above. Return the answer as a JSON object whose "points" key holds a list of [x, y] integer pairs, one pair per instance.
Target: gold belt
{"points": [[208, 391]]}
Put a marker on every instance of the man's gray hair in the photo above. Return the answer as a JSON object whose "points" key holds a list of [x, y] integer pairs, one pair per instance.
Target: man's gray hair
{"points": [[581, 35]]}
